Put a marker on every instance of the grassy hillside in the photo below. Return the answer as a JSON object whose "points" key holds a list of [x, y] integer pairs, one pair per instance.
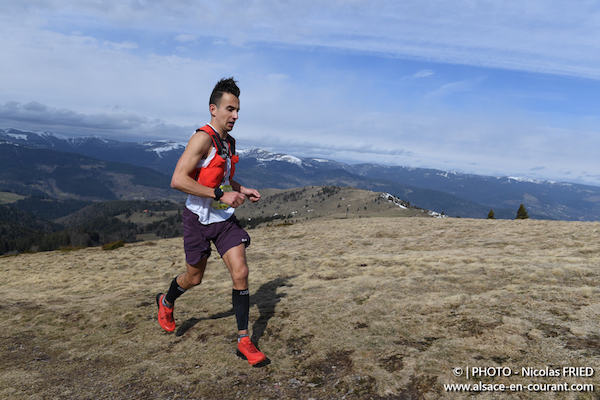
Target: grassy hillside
{"points": [[362, 308], [324, 202]]}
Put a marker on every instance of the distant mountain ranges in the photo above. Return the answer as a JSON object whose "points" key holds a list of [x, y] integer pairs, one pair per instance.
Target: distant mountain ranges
{"points": [[95, 169]]}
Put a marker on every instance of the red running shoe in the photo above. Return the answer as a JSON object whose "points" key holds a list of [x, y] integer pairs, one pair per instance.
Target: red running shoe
{"points": [[247, 350], [165, 314]]}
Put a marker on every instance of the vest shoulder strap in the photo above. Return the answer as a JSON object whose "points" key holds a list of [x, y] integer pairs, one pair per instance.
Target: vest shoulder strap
{"points": [[216, 139], [231, 142]]}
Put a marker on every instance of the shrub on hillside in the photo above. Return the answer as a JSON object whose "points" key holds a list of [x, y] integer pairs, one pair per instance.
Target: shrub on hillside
{"points": [[113, 245]]}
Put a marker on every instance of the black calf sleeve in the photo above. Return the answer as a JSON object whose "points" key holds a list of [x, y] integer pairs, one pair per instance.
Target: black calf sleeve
{"points": [[241, 306], [174, 292]]}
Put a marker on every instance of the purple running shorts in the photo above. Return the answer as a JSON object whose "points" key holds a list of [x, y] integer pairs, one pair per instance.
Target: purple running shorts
{"points": [[197, 237]]}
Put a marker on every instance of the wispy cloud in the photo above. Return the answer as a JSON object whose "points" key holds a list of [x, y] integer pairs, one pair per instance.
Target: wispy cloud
{"points": [[474, 86], [536, 35], [452, 88], [424, 73]]}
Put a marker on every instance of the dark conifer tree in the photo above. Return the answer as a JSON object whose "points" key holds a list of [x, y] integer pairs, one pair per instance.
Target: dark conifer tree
{"points": [[522, 213]]}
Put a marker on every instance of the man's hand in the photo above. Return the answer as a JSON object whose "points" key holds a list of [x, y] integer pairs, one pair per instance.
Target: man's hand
{"points": [[233, 199], [251, 194]]}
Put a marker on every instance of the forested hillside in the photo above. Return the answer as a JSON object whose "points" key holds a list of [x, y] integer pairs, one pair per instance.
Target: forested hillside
{"points": [[55, 174], [130, 221], [94, 225]]}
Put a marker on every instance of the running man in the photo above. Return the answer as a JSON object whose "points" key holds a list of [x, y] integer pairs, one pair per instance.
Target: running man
{"points": [[205, 172]]}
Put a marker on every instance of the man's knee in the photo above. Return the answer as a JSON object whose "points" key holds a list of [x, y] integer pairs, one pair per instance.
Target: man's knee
{"points": [[194, 280], [240, 273], [194, 274]]}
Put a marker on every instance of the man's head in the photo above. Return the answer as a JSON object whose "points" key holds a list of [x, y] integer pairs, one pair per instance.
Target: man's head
{"points": [[224, 86], [224, 105]]}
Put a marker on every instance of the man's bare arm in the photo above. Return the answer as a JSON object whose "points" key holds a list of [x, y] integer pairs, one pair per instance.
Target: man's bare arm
{"points": [[197, 148]]}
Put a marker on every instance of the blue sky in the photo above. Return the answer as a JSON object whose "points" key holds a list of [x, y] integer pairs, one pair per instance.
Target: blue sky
{"points": [[484, 87]]}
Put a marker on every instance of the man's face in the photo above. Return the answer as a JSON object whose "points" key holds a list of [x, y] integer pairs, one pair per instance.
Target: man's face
{"points": [[225, 115]]}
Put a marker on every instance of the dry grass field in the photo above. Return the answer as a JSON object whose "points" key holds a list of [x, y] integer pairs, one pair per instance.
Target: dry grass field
{"points": [[369, 308]]}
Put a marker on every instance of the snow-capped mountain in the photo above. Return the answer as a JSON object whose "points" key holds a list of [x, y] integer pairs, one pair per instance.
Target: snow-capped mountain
{"points": [[161, 155], [264, 157], [51, 140], [453, 193], [544, 199]]}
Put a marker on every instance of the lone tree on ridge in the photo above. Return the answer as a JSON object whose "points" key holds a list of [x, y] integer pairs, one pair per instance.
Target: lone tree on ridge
{"points": [[522, 213]]}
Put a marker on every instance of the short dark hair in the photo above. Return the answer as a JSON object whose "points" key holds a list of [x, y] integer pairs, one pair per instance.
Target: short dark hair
{"points": [[224, 86]]}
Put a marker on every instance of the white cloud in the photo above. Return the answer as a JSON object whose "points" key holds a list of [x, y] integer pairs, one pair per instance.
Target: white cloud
{"points": [[117, 66], [117, 124], [424, 73], [85, 73], [535, 35]]}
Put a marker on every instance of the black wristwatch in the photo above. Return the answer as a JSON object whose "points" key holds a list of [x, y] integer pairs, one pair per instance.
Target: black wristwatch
{"points": [[218, 193]]}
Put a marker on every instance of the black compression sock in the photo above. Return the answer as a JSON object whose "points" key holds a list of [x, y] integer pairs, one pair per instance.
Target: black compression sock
{"points": [[174, 292], [241, 306]]}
